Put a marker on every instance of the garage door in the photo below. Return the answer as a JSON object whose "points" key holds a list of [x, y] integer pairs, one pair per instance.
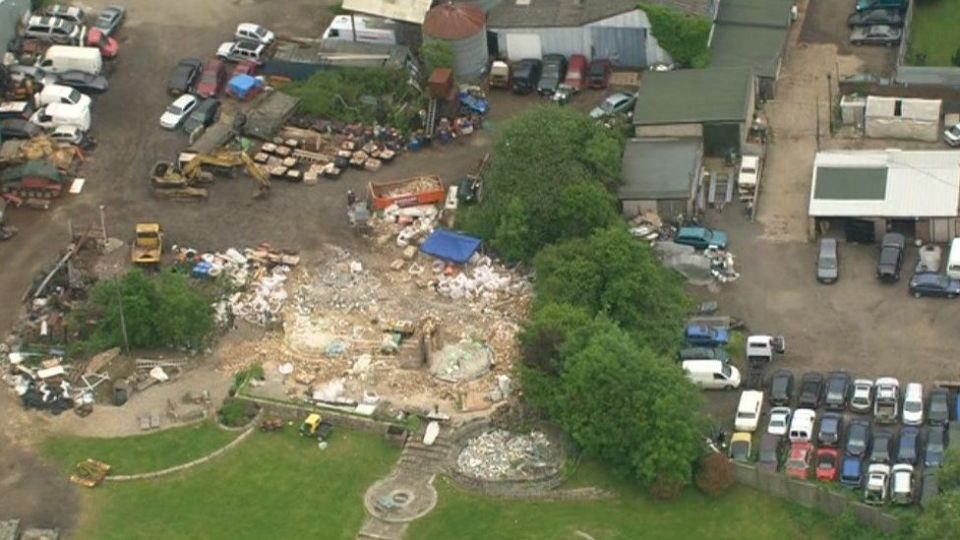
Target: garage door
{"points": [[520, 46], [627, 45], [860, 231]]}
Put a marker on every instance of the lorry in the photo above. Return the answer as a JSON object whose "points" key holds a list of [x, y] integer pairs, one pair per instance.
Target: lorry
{"points": [[148, 245], [887, 401], [408, 192]]}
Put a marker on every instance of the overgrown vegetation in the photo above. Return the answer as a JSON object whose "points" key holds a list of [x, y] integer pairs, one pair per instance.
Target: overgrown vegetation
{"points": [[237, 412], [934, 40], [715, 476], [683, 36], [358, 95], [436, 54]]}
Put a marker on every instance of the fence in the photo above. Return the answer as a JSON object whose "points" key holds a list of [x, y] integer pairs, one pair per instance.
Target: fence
{"points": [[905, 37], [813, 496]]}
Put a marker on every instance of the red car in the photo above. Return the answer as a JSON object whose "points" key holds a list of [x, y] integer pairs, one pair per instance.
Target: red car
{"points": [[598, 75], [798, 465], [107, 45], [828, 460], [212, 79], [576, 71], [244, 68]]}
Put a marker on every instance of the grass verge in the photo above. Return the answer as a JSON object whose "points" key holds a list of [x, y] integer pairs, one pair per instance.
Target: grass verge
{"points": [[934, 31]]}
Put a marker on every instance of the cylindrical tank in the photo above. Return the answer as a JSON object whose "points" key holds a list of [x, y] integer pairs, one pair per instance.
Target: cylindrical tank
{"points": [[464, 27]]}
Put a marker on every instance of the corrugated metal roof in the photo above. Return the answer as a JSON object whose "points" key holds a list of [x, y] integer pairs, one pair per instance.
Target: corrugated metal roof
{"points": [[657, 169], [910, 108], [573, 13], [923, 183], [412, 11], [758, 47], [693, 96], [454, 21], [770, 13]]}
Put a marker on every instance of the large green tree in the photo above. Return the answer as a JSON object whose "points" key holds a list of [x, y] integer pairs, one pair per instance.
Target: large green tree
{"points": [[941, 519]]}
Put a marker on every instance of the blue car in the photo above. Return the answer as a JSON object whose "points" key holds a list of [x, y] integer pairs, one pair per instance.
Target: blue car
{"points": [[851, 472], [931, 284], [701, 238], [701, 335]]}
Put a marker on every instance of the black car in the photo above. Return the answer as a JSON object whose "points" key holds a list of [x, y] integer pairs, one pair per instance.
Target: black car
{"points": [[183, 76], [882, 447], [703, 353], [16, 128], [936, 446], [930, 489], [831, 429], [891, 257], [110, 19], [909, 446], [811, 387], [525, 75], [204, 115], [836, 390], [932, 284], [938, 410], [82, 81], [888, 17], [781, 387], [554, 73], [858, 438], [771, 454]]}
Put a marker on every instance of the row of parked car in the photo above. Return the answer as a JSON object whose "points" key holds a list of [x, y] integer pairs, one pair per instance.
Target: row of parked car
{"points": [[877, 22]]}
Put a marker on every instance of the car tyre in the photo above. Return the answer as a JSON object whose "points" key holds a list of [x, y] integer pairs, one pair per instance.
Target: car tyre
{"points": [[917, 295]]}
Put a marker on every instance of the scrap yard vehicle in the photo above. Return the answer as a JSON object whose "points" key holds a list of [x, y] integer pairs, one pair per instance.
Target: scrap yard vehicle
{"points": [[148, 245], [181, 180], [315, 426]]}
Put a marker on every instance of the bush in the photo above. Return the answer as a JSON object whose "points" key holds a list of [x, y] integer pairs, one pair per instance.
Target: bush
{"points": [[666, 489], [336, 94], [436, 54], [715, 476], [683, 36], [237, 413]]}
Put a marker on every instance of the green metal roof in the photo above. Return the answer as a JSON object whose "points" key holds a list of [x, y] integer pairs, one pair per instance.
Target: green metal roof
{"points": [[772, 13], [851, 183], [694, 96], [656, 169], [740, 45]]}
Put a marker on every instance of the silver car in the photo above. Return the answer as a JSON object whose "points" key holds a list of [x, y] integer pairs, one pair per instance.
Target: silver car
{"points": [[614, 104], [828, 261], [879, 34]]}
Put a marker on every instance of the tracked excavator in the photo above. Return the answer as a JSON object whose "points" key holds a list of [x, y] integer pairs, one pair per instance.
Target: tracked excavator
{"points": [[188, 180]]}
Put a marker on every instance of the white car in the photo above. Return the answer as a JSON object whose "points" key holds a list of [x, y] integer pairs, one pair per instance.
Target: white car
{"points": [[801, 425], [749, 171], [779, 421], [178, 111], [238, 51], [68, 135], [902, 485], [912, 414], [748, 412], [862, 399], [951, 135], [615, 104], [254, 32], [878, 479]]}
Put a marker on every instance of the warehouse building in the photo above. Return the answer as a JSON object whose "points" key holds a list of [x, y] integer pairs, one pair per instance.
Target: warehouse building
{"points": [[662, 176]]}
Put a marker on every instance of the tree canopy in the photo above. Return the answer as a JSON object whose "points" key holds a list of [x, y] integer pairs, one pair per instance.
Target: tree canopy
{"points": [[683, 36], [436, 54]]}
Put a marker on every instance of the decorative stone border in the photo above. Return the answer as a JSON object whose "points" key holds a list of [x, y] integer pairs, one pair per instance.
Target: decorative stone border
{"points": [[184, 466]]}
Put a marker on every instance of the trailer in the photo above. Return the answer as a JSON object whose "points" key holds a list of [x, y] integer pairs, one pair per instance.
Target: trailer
{"points": [[408, 192]]}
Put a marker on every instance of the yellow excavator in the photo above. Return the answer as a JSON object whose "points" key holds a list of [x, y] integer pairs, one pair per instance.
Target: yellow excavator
{"points": [[186, 180]]}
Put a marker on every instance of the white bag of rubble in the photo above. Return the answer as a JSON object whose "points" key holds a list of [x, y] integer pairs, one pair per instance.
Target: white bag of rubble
{"points": [[331, 391]]}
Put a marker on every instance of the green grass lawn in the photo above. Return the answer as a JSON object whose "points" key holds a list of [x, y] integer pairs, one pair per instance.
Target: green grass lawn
{"points": [[934, 31], [270, 486], [743, 514], [141, 453]]}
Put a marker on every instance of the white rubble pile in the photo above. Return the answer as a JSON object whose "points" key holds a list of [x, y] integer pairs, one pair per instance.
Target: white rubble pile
{"points": [[480, 281], [501, 455], [262, 301]]}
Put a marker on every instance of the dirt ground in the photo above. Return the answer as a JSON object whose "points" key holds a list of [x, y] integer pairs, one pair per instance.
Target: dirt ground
{"points": [[825, 23]]}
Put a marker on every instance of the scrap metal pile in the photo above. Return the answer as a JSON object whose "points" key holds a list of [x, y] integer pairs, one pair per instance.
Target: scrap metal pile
{"points": [[328, 149], [502, 455]]}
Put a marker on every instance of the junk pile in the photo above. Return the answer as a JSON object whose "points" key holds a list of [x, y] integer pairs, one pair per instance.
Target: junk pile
{"points": [[44, 386], [327, 148], [721, 265], [502, 455], [463, 361], [480, 281], [700, 268]]}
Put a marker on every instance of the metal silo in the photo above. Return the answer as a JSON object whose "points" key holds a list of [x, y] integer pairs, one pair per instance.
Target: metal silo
{"points": [[464, 27]]}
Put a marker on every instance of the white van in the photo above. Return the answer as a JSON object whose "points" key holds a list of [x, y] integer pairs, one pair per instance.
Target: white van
{"points": [[748, 411], [953, 262], [712, 374], [60, 58], [57, 93], [913, 405], [369, 29], [801, 427], [62, 114]]}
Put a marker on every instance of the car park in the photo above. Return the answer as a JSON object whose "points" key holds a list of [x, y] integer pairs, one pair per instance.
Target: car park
{"points": [[886, 400], [212, 79], [108, 47], [183, 76], [741, 447], [889, 17], [204, 115], [908, 445], [913, 404], [238, 51], [938, 409], [15, 128], [811, 388], [930, 489], [933, 284], [801, 425], [598, 74], [890, 259], [177, 112], [771, 453], [779, 422], [828, 463], [110, 19], [704, 353], [619, 103], [553, 73], [862, 398], [748, 411], [702, 335], [935, 447], [851, 471], [798, 462], [701, 238], [878, 480], [67, 13], [878, 34], [828, 261], [902, 484], [858, 438], [254, 32], [881, 447], [781, 387], [53, 30], [84, 82], [836, 390], [525, 75], [831, 429]]}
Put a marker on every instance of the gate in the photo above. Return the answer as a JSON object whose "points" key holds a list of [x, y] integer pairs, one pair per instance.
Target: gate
{"points": [[627, 45]]}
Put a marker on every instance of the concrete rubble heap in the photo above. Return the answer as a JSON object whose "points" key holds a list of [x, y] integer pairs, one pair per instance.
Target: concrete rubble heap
{"points": [[502, 455]]}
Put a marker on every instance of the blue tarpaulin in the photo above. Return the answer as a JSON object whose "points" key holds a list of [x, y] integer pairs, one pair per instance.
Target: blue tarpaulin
{"points": [[241, 86], [450, 246]]}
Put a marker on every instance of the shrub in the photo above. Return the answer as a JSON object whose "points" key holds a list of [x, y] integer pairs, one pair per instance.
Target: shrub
{"points": [[715, 476], [683, 36], [236, 412]]}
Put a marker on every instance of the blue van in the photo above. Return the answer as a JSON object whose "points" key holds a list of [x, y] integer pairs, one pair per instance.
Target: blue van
{"points": [[867, 5]]}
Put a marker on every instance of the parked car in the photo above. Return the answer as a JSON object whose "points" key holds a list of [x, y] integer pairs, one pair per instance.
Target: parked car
{"points": [[862, 398], [831, 429], [110, 19], [811, 388], [703, 353], [68, 13], [238, 51], [902, 484], [598, 74], [81, 80], [851, 472], [15, 128], [741, 447], [951, 135], [553, 73], [836, 390], [935, 448], [254, 32], [177, 112], [881, 447], [798, 464], [801, 425], [771, 453], [878, 34], [779, 422], [109, 48], [702, 335], [828, 463], [930, 489], [54, 30], [62, 114], [866, 5], [931, 284], [204, 115], [878, 480], [619, 103], [913, 404], [576, 72], [886, 400], [68, 135], [183, 76], [891, 257], [909, 445], [701, 238], [828, 261], [212, 79], [748, 411], [525, 75], [889, 17], [858, 438], [938, 409], [781, 387]]}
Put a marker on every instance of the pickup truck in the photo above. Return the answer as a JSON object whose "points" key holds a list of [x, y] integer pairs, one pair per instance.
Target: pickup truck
{"points": [[701, 335]]}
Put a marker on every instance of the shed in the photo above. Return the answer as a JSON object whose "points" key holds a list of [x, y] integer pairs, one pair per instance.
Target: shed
{"points": [[268, 114], [714, 104], [752, 33], [903, 118], [864, 193], [450, 246], [661, 175]]}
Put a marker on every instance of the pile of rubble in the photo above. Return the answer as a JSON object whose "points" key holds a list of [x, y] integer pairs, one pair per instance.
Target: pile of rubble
{"points": [[502, 455]]}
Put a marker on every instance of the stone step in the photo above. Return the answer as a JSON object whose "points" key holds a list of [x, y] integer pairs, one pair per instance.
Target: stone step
{"points": [[374, 529]]}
